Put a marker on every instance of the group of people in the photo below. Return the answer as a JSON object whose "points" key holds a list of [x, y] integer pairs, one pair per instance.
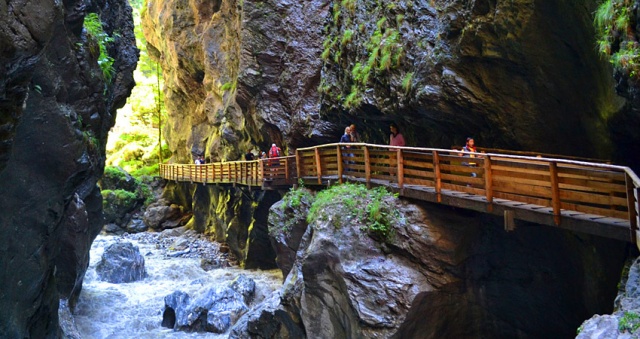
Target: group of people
{"points": [[351, 135]]}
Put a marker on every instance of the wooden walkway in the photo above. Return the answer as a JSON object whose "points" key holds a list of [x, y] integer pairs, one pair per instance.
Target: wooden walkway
{"points": [[590, 197]]}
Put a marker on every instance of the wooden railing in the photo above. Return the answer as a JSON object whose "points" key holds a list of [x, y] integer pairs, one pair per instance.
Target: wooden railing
{"points": [[562, 185], [250, 173], [556, 187]]}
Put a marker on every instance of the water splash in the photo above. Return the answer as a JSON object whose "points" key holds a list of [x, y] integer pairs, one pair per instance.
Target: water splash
{"points": [[134, 310]]}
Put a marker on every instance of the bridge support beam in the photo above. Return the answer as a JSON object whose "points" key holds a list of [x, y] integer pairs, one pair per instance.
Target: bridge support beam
{"points": [[509, 221]]}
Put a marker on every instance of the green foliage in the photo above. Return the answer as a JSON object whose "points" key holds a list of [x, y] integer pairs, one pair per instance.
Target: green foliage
{"points": [[630, 321], [114, 174], [93, 26], [296, 197], [370, 208], [151, 170], [406, 82], [616, 38]]}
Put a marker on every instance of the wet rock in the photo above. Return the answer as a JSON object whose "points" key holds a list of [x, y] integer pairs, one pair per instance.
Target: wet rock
{"points": [[287, 225], [137, 226], [121, 263], [209, 264], [214, 309], [56, 109], [625, 320], [112, 228], [156, 215], [245, 286], [117, 206]]}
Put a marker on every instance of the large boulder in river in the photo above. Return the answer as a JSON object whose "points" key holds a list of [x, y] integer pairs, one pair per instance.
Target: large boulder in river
{"points": [[161, 215], [214, 309], [121, 263]]}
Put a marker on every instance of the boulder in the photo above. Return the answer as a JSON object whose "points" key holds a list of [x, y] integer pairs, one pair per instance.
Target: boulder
{"points": [[245, 286], [287, 225], [157, 215], [214, 309], [136, 226], [117, 204], [121, 263], [117, 178]]}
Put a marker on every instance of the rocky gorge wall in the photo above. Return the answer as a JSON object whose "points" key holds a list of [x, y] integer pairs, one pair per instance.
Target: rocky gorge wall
{"points": [[522, 75], [56, 109], [440, 273]]}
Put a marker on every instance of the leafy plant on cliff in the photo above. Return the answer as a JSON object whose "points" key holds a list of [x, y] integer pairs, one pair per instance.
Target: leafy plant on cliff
{"points": [[616, 37], [354, 204], [93, 27], [630, 321]]}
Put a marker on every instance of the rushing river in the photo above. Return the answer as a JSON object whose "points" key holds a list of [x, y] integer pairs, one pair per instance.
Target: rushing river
{"points": [[134, 310]]}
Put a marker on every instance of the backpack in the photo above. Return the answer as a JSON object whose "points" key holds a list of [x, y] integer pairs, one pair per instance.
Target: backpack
{"points": [[274, 152]]}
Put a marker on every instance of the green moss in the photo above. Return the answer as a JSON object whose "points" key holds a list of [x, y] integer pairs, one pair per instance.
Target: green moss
{"points": [[406, 82], [346, 37], [227, 86], [350, 5], [123, 198]]}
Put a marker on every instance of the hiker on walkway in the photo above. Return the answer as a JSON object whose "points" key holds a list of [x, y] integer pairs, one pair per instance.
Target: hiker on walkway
{"points": [[274, 152], [346, 138], [249, 156], [396, 138], [355, 137], [199, 160], [470, 147]]}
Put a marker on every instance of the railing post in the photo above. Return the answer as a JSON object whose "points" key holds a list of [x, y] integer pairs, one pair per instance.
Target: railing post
{"points": [[400, 165], [436, 175], [261, 177], [340, 168], [286, 169], [367, 166], [318, 165], [488, 181], [631, 206], [555, 192], [298, 164]]}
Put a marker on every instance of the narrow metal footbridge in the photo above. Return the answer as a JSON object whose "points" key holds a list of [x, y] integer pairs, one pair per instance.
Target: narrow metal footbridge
{"points": [[583, 196]]}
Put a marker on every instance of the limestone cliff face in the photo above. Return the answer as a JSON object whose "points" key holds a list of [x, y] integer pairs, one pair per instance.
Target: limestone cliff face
{"points": [[55, 112]]}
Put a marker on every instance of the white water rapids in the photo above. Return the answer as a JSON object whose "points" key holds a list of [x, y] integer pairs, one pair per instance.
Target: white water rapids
{"points": [[134, 310]]}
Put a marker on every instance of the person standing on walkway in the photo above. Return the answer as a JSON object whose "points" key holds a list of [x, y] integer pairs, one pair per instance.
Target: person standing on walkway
{"points": [[396, 138], [470, 146], [355, 137], [346, 138]]}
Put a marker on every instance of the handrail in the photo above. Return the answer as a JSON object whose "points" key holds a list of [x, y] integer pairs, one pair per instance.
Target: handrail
{"points": [[536, 154], [549, 185]]}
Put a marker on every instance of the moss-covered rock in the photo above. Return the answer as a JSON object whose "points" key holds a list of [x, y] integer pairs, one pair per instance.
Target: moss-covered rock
{"points": [[117, 204]]}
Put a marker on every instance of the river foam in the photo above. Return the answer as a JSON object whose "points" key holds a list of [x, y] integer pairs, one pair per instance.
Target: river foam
{"points": [[134, 310]]}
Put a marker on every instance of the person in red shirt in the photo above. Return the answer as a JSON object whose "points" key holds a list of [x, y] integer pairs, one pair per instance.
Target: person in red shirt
{"points": [[396, 138]]}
